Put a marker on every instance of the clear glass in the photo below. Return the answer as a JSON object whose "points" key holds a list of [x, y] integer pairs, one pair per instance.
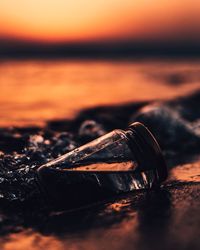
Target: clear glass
{"points": [[107, 153], [109, 164]]}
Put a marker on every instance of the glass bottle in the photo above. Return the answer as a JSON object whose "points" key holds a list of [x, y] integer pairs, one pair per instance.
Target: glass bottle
{"points": [[118, 162]]}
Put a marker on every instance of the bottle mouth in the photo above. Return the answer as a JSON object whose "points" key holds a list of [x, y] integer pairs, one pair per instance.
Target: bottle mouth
{"points": [[148, 151]]}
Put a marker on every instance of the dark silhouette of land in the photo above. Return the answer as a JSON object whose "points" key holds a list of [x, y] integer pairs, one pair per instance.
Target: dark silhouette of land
{"points": [[127, 49]]}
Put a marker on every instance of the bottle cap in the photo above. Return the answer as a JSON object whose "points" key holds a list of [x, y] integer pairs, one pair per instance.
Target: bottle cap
{"points": [[149, 151]]}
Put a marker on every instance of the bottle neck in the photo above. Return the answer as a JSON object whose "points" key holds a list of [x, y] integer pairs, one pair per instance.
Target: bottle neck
{"points": [[146, 150]]}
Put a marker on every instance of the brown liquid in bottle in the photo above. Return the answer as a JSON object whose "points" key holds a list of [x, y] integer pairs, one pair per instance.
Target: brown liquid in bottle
{"points": [[112, 167]]}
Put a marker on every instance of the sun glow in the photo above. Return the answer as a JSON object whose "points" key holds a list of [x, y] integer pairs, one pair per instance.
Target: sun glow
{"points": [[86, 20]]}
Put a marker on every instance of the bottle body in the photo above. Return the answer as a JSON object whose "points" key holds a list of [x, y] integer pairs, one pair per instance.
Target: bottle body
{"points": [[117, 162]]}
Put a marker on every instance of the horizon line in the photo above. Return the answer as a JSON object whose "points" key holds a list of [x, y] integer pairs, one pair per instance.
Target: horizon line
{"points": [[98, 49]]}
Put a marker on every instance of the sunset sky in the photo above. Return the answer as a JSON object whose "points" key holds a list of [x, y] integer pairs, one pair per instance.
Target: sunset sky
{"points": [[67, 21], [113, 28]]}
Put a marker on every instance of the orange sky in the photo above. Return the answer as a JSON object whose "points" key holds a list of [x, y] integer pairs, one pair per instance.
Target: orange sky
{"points": [[90, 20]]}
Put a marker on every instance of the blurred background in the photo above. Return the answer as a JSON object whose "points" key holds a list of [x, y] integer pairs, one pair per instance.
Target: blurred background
{"points": [[57, 57]]}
